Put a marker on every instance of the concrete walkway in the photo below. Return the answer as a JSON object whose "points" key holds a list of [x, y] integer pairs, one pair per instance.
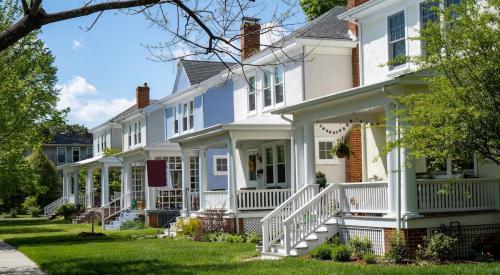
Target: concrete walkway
{"points": [[14, 262]]}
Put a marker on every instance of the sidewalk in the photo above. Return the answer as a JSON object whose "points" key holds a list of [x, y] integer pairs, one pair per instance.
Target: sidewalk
{"points": [[14, 262]]}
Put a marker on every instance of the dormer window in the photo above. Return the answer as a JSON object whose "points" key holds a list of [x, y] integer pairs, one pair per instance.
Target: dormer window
{"points": [[397, 38]]}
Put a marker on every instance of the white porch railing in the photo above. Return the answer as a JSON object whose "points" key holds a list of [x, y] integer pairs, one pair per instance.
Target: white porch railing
{"points": [[312, 215], [51, 209], [261, 199], [216, 199], [272, 224], [364, 197], [115, 207], [445, 195]]}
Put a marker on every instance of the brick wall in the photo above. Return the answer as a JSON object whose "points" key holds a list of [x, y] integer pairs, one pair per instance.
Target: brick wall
{"points": [[152, 219], [250, 37], [355, 52], [142, 96], [413, 237], [353, 163]]}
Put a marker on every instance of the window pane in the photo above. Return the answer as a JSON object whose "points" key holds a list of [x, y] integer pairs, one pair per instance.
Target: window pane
{"points": [[429, 12], [251, 102], [398, 49], [281, 153], [269, 174], [281, 173], [251, 82], [278, 74], [269, 156], [61, 155], [252, 167], [396, 26], [267, 79], [279, 93], [267, 97]]}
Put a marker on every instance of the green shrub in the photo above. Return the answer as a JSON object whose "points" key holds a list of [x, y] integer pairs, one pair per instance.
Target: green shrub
{"points": [[133, 225], [34, 211], [67, 211], [191, 228], [360, 246], [398, 250], [334, 240], [370, 258], [322, 252], [234, 238], [30, 201], [341, 253], [252, 238], [440, 247], [13, 213]]}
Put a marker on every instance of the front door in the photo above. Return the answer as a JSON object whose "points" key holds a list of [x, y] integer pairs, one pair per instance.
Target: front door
{"points": [[252, 168]]}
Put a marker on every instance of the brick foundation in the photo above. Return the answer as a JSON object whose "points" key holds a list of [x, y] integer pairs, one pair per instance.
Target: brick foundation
{"points": [[152, 219], [353, 163], [413, 237]]}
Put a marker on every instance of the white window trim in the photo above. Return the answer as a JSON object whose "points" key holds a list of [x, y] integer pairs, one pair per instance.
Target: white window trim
{"points": [[65, 155], [333, 160], [190, 114], [176, 118], [216, 172], [254, 111], [79, 153], [273, 105], [274, 146], [394, 70]]}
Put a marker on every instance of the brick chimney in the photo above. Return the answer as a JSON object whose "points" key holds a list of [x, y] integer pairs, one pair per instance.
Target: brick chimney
{"points": [[142, 96], [355, 52], [250, 37]]}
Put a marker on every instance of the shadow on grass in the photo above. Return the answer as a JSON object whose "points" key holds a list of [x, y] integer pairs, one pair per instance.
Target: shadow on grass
{"points": [[49, 240], [31, 221], [29, 230]]}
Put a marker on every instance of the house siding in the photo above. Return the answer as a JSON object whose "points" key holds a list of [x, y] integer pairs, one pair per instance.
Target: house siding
{"points": [[218, 105], [215, 182]]}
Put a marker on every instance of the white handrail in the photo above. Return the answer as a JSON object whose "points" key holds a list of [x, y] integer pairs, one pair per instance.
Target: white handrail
{"points": [[52, 207], [311, 215], [114, 207], [261, 199], [272, 224]]}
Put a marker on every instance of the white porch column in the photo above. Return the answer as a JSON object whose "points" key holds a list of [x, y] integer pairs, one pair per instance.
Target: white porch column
{"points": [[126, 185], [309, 160], [292, 161], [231, 184], [104, 184], [299, 153], [76, 184], [89, 188], [65, 183], [409, 205], [150, 194], [392, 162], [203, 177], [185, 183]]}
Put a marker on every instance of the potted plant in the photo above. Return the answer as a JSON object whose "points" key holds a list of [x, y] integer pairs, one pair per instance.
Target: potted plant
{"points": [[341, 149], [320, 179]]}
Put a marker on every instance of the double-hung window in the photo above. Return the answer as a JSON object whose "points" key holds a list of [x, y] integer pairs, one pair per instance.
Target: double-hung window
{"points": [[267, 89], [135, 133], [89, 152], [324, 150], [176, 121], [251, 93], [220, 165], [185, 117], [191, 114], [76, 154], [129, 135], [103, 137], [139, 135], [105, 140], [397, 38], [428, 14], [278, 84], [275, 164], [61, 155]]}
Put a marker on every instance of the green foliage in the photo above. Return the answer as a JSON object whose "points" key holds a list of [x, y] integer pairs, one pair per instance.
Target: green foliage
{"points": [[67, 211], [322, 252], [253, 238], [133, 225], [48, 182], [360, 246], [315, 8], [440, 247], [111, 151], [398, 250], [232, 238], [190, 228], [68, 129], [341, 253], [34, 211], [13, 213], [341, 149], [320, 179], [370, 258], [334, 240], [461, 67], [28, 98]]}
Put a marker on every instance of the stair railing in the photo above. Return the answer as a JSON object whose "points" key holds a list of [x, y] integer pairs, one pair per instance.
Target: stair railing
{"points": [[53, 206], [311, 216], [114, 207], [272, 224]]}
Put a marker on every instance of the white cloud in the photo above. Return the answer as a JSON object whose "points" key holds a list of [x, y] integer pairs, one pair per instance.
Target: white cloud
{"points": [[77, 44], [82, 98]]}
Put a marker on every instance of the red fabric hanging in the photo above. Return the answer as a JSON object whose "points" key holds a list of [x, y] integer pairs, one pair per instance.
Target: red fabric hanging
{"points": [[157, 173]]}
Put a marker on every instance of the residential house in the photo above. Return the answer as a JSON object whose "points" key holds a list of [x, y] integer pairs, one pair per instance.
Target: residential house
{"points": [[67, 148], [382, 193]]}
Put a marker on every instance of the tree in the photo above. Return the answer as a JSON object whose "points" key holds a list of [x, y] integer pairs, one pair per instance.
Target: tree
{"points": [[460, 114], [48, 185], [28, 101], [68, 129], [315, 8]]}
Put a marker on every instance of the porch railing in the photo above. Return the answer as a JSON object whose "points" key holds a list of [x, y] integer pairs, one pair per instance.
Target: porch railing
{"points": [[261, 199], [51, 209], [115, 207], [216, 199], [194, 199], [444, 195], [364, 197], [272, 224]]}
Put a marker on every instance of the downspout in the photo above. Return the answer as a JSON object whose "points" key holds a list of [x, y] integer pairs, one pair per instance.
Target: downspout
{"points": [[293, 186]]}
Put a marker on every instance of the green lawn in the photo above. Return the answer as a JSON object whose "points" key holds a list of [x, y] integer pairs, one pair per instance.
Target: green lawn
{"points": [[57, 249]]}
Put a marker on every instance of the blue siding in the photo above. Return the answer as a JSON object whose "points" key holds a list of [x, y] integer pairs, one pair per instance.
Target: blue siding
{"points": [[218, 107], [169, 127], [198, 113], [215, 182], [182, 82]]}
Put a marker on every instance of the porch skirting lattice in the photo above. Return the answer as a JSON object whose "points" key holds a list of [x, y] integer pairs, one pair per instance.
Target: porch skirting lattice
{"points": [[376, 236], [252, 225]]}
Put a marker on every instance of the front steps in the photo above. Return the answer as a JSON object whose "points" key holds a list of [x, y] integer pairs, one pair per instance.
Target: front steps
{"points": [[125, 215], [84, 217], [313, 240]]}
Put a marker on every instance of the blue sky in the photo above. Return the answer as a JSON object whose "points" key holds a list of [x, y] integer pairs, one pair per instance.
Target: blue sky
{"points": [[99, 70]]}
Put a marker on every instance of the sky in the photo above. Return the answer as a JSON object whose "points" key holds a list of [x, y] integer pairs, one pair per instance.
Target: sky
{"points": [[99, 70]]}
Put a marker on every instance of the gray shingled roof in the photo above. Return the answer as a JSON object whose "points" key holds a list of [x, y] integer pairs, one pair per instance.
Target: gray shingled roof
{"points": [[198, 71], [71, 139], [128, 112]]}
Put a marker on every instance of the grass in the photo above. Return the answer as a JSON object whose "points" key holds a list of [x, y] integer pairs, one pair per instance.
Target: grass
{"points": [[56, 248]]}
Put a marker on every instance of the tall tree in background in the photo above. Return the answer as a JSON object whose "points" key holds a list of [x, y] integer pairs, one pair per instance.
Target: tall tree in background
{"points": [[28, 99], [48, 186], [462, 109], [315, 8]]}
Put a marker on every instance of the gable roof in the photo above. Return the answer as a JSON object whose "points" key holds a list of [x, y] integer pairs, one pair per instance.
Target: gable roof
{"points": [[71, 139], [327, 26], [197, 71], [128, 112]]}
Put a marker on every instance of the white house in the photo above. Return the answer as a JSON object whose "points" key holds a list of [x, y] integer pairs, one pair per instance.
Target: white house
{"points": [[381, 193]]}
